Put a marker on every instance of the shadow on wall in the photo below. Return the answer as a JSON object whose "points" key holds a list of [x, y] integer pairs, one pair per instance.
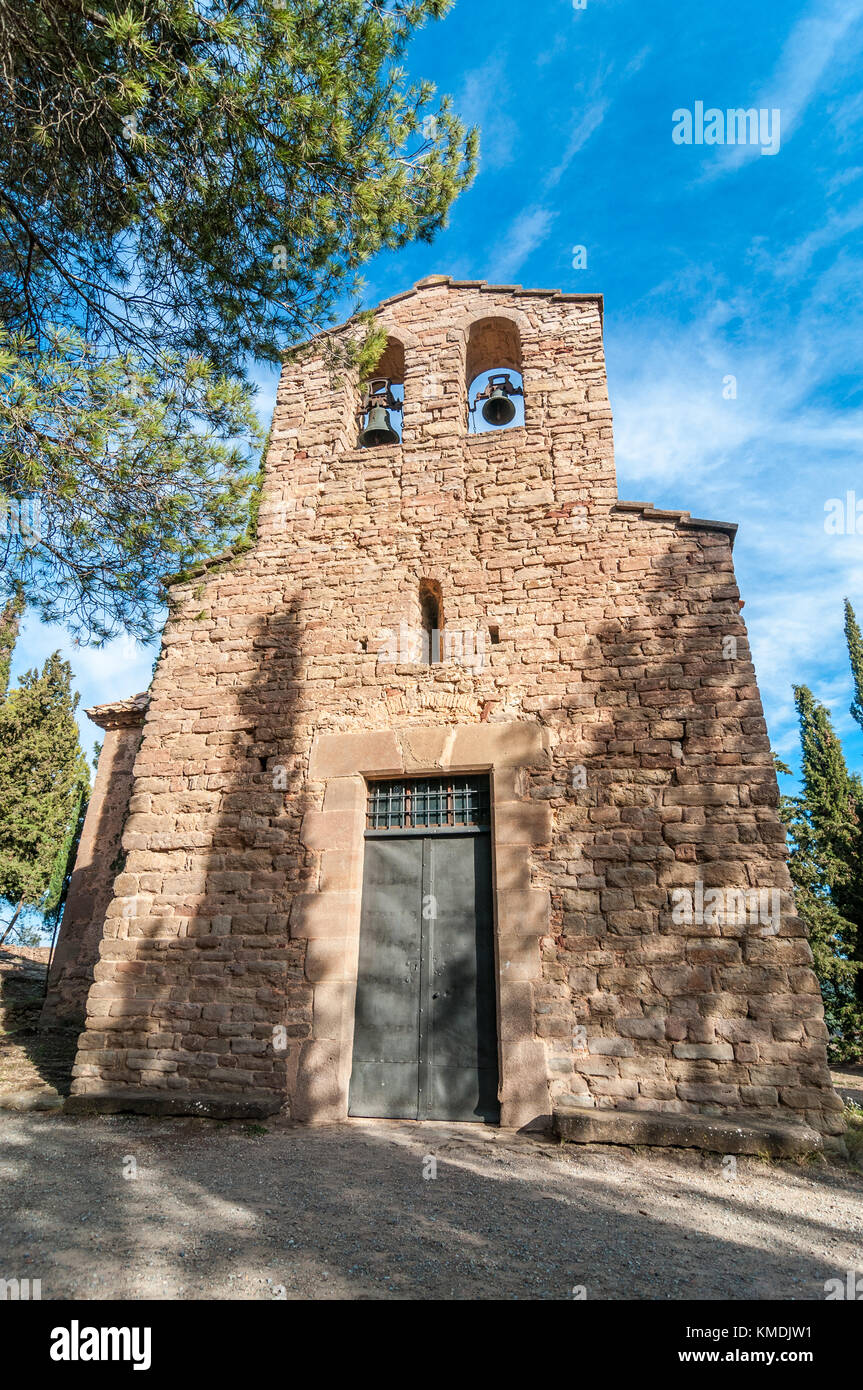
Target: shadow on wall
{"points": [[200, 989], [99, 860], [683, 755]]}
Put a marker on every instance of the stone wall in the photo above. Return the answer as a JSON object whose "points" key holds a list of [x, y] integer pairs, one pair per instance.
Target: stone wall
{"points": [[97, 863], [609, 632], [37, 953]]}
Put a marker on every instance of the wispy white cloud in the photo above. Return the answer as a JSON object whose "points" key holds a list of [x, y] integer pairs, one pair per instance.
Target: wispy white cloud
{"points": [[521, 238], [559, 44], [822, 41], [797, 260], [769, 459], [586, 125], [597, 100], [482, 102], [743, 382], [822, 36]]}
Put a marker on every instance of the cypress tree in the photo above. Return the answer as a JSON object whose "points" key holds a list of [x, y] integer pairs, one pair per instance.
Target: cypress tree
{"points": [[44, 783], [833, 939], [854, 639], [828, 787], [829, 834]]}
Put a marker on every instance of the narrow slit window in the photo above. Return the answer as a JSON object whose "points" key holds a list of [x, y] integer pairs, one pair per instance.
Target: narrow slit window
{"points": [[431, 617]]}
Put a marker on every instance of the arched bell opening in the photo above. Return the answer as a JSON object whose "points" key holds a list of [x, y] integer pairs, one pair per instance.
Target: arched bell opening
{"points": [[495, 387], [382, 401], [496, 402]]}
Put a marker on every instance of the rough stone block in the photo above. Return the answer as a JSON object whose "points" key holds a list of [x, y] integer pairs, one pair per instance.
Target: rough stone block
{"points": [[655, 1128], [325, 914]]}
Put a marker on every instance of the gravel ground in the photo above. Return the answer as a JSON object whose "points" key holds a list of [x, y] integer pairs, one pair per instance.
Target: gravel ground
{"points": [[226, 1211]]}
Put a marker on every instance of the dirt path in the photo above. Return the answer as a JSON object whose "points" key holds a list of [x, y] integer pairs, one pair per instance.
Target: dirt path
{"points": [[225, 1211], [29, 1060], [232, 1211]]}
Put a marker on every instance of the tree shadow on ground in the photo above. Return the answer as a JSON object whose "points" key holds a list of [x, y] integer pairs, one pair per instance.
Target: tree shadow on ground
{"points": [[350, 1211]]}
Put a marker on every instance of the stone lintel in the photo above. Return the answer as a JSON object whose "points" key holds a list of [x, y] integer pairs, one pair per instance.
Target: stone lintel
{"points": [[412, 750]]}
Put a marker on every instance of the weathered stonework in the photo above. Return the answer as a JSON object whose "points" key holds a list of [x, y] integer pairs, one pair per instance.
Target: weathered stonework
{"points": [[98, 861], [617, 712]]}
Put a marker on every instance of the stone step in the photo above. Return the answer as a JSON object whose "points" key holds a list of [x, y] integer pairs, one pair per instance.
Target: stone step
{"points": [[653, 1128], [37, 1098], [137, 1102]]}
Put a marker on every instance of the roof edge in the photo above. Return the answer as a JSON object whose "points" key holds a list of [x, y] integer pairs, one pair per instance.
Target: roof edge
{"points": [[432, 281], [121, 714], [650, 513]]}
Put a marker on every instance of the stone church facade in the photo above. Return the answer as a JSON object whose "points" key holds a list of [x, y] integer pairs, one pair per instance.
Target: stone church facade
{"points": [[593, 666]]}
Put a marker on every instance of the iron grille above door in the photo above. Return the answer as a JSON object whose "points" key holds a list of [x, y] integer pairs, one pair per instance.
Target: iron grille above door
{"points": [[431, 803]]}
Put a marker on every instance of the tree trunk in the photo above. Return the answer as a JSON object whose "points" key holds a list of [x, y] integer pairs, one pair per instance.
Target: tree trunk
{"points": [[12, 923]]}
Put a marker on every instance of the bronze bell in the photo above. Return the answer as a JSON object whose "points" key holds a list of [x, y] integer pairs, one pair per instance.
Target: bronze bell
{"points": [[378, 428], [498, 409]]}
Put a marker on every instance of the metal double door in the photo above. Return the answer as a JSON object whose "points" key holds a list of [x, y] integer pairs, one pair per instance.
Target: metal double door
{"points": [[425, 1035]]}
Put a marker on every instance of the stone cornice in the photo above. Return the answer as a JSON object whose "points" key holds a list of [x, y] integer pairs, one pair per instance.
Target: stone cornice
{"points": [[433, 281], [121, 714], [699, 523]]}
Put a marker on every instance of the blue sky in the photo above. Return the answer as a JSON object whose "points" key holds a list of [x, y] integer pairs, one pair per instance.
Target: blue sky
{"points": [[714, 260]]}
